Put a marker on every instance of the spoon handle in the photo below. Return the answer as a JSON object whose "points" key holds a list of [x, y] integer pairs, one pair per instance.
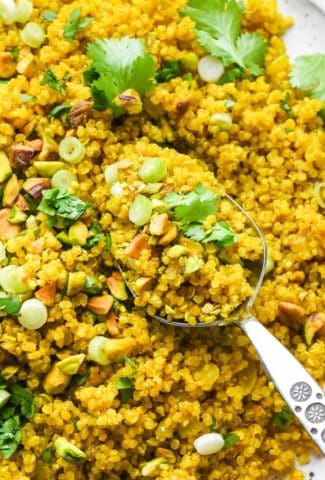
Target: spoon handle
{"points": [[302, 394]]}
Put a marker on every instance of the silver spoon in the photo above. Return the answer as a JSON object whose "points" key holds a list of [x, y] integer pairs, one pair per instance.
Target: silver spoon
{"points": [[300, 391]]}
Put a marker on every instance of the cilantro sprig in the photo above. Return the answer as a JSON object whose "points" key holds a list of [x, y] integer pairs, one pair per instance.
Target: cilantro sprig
{"points": [[10, 306], [19, 407], [192, 209], [283, 419], [218, 25], [57, 203], [50, 79], [308, 74], [75, 23], [117, 66]]}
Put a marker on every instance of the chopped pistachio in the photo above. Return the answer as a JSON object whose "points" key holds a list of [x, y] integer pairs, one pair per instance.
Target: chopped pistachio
{"points": [[78, 233], [169, 236], [55, 381], [315, 324], [49, 148], [11, 191], [69, 451], [130, 100], [16, 216], [27, 66], [48, 169], [76, 282], [177, 251], [159, 224], [117, 286], [35, 186], [70, 365], [5, 168]]}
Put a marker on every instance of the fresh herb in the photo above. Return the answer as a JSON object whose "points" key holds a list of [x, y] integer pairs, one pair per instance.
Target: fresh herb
{"points": [[125, 386], [50, 79], [193, 264], [24, 399], [75, 23], [285, 106], [97, 234], [10, 306], [218, 24], [74, 423], [231, 75], [131, 364], [59, 110], [170, 69], [118, 65], [288, 130], [308, 74], [283, 419], [21, 406], [10, 436], [3, 81], [229, 103], [49, 15], [189, 78], [108, 241], [230, 439], [192, 209], [78, 380], [57, 202], [213, 425], [47, 454], [25, 98], [15, 53], [91, 287]]}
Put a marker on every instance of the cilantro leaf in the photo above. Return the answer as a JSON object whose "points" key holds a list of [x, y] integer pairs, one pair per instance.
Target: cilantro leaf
{"points": [[10, 436], [195, 206], [218, 24], [47, 454], [24, 399], [10, 306], [59, 110], [91, 287], [308, 74], [231, 75], [170, 69], [193, 264], [118, 65], [50, 79], [126, 388], [230, 439], [283, 419], [49, 15], [58, 203], [75, 23], [131, 364], [15, 53], [192, 209], [213, 425], [221, 234]]}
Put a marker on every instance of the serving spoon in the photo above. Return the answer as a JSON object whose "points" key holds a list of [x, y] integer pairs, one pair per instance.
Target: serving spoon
{"points": [[297, 387]]}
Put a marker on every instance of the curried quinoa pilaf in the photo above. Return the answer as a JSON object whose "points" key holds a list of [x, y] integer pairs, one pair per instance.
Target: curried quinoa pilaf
{"points": [[91, 387]]}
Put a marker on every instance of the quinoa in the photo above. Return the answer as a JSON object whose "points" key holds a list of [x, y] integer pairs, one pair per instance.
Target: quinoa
{"points": [[186, 380]]}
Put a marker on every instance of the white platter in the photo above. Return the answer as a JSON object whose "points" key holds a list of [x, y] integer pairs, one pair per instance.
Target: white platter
{"points": [[305, 37]]}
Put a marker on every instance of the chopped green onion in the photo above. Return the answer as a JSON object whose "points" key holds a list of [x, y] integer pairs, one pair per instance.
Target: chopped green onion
{"points": [[97, 351], [13, 279], [117, 189], [319, 193], [153, 170], [8, 11], [210, 69], [4, 397], [209, 443], [33, 34], [221, 120], [71, 150], [111, 174], [140, 210], [63, 179], [33, 314], [24, 10]]}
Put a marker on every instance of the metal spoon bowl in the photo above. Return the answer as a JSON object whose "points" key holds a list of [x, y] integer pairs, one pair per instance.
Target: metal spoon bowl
{"points": [[300, 391]]}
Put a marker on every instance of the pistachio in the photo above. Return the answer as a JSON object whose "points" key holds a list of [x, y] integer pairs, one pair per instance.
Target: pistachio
{"points": [[177, 251], [34, 186], [315, 325], [10, 191], [27, 66], [79, 112], [130, 100], [7, 65], [169, 236], [70, 365], [290, 313], [117, 286], [22, 155], [55, 381], [159, 224]]}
